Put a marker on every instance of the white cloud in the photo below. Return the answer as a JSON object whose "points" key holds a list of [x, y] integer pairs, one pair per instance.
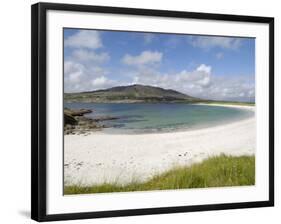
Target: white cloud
{"points": [[84, 39], [73, 74], [70, 67], [208, 42], [204, 68], [84, 68], [199, 83], [231, 88], [78, 78], [182, 81], [90, 56], [103, 82], [75, 77], [145, 58], [84, 71], [99, 81]]}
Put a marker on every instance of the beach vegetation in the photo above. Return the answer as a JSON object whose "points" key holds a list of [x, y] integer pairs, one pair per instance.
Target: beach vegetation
{"points": [[217, 171]]}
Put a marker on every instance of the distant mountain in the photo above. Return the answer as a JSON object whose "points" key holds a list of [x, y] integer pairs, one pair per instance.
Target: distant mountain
{"points": [[130, 94]]}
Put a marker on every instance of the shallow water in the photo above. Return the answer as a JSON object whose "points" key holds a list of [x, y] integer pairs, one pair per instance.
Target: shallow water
{"points": [[161, 117]]}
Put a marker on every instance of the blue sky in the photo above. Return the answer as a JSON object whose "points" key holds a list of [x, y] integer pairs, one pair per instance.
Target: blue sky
{"points": [[210, 67]]}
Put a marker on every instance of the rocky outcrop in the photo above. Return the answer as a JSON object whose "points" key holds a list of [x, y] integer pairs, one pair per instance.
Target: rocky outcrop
{"points": [[76, 123], [79, 112], [69, 119]]}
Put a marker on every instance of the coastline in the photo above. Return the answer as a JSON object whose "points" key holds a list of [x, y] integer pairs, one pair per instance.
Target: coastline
{"points": [[96, 158], [245, 107]]}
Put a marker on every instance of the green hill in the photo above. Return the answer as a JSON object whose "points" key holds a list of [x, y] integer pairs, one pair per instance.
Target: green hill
{"points": [[130, 94]]}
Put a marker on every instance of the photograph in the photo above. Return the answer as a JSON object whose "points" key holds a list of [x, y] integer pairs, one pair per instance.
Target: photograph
{"points": [[149, 111], [139, 111]]}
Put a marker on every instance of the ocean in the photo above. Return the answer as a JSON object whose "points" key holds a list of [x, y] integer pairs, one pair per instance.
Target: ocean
{"points": [[160, 117]]}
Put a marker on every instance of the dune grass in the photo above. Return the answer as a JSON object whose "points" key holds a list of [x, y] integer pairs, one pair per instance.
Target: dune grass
{"points": [[216, 171]]}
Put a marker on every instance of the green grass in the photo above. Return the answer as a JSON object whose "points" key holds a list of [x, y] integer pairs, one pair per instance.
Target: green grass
{"points": [[216, 171]]}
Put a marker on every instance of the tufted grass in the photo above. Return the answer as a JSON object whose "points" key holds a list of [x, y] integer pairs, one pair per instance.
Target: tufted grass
{"points": [[218, 171]]}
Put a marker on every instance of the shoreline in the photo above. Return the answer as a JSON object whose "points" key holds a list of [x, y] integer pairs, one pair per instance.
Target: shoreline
{"points": [[100, 157], [246, 107]]}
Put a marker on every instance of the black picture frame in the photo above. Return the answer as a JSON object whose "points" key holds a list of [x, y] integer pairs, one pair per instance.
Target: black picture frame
{"points": [[38, 108]]}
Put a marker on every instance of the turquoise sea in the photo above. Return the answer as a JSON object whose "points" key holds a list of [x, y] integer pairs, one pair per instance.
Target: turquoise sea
{"points": [[160, 117]]}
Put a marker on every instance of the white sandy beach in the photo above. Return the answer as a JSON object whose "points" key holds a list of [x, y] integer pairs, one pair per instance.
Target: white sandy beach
{"points": [[121, 158]]}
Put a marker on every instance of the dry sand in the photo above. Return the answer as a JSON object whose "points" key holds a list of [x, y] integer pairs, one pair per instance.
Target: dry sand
{"points": [[121, 158]]}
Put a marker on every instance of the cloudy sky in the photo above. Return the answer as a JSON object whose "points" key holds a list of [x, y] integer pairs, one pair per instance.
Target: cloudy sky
{"points": [[209, 67]]}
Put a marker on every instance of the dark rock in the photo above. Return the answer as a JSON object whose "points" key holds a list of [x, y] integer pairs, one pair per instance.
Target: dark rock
{"points": [[105, 118], [79, 112], [69, 119], [75, 123]]}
